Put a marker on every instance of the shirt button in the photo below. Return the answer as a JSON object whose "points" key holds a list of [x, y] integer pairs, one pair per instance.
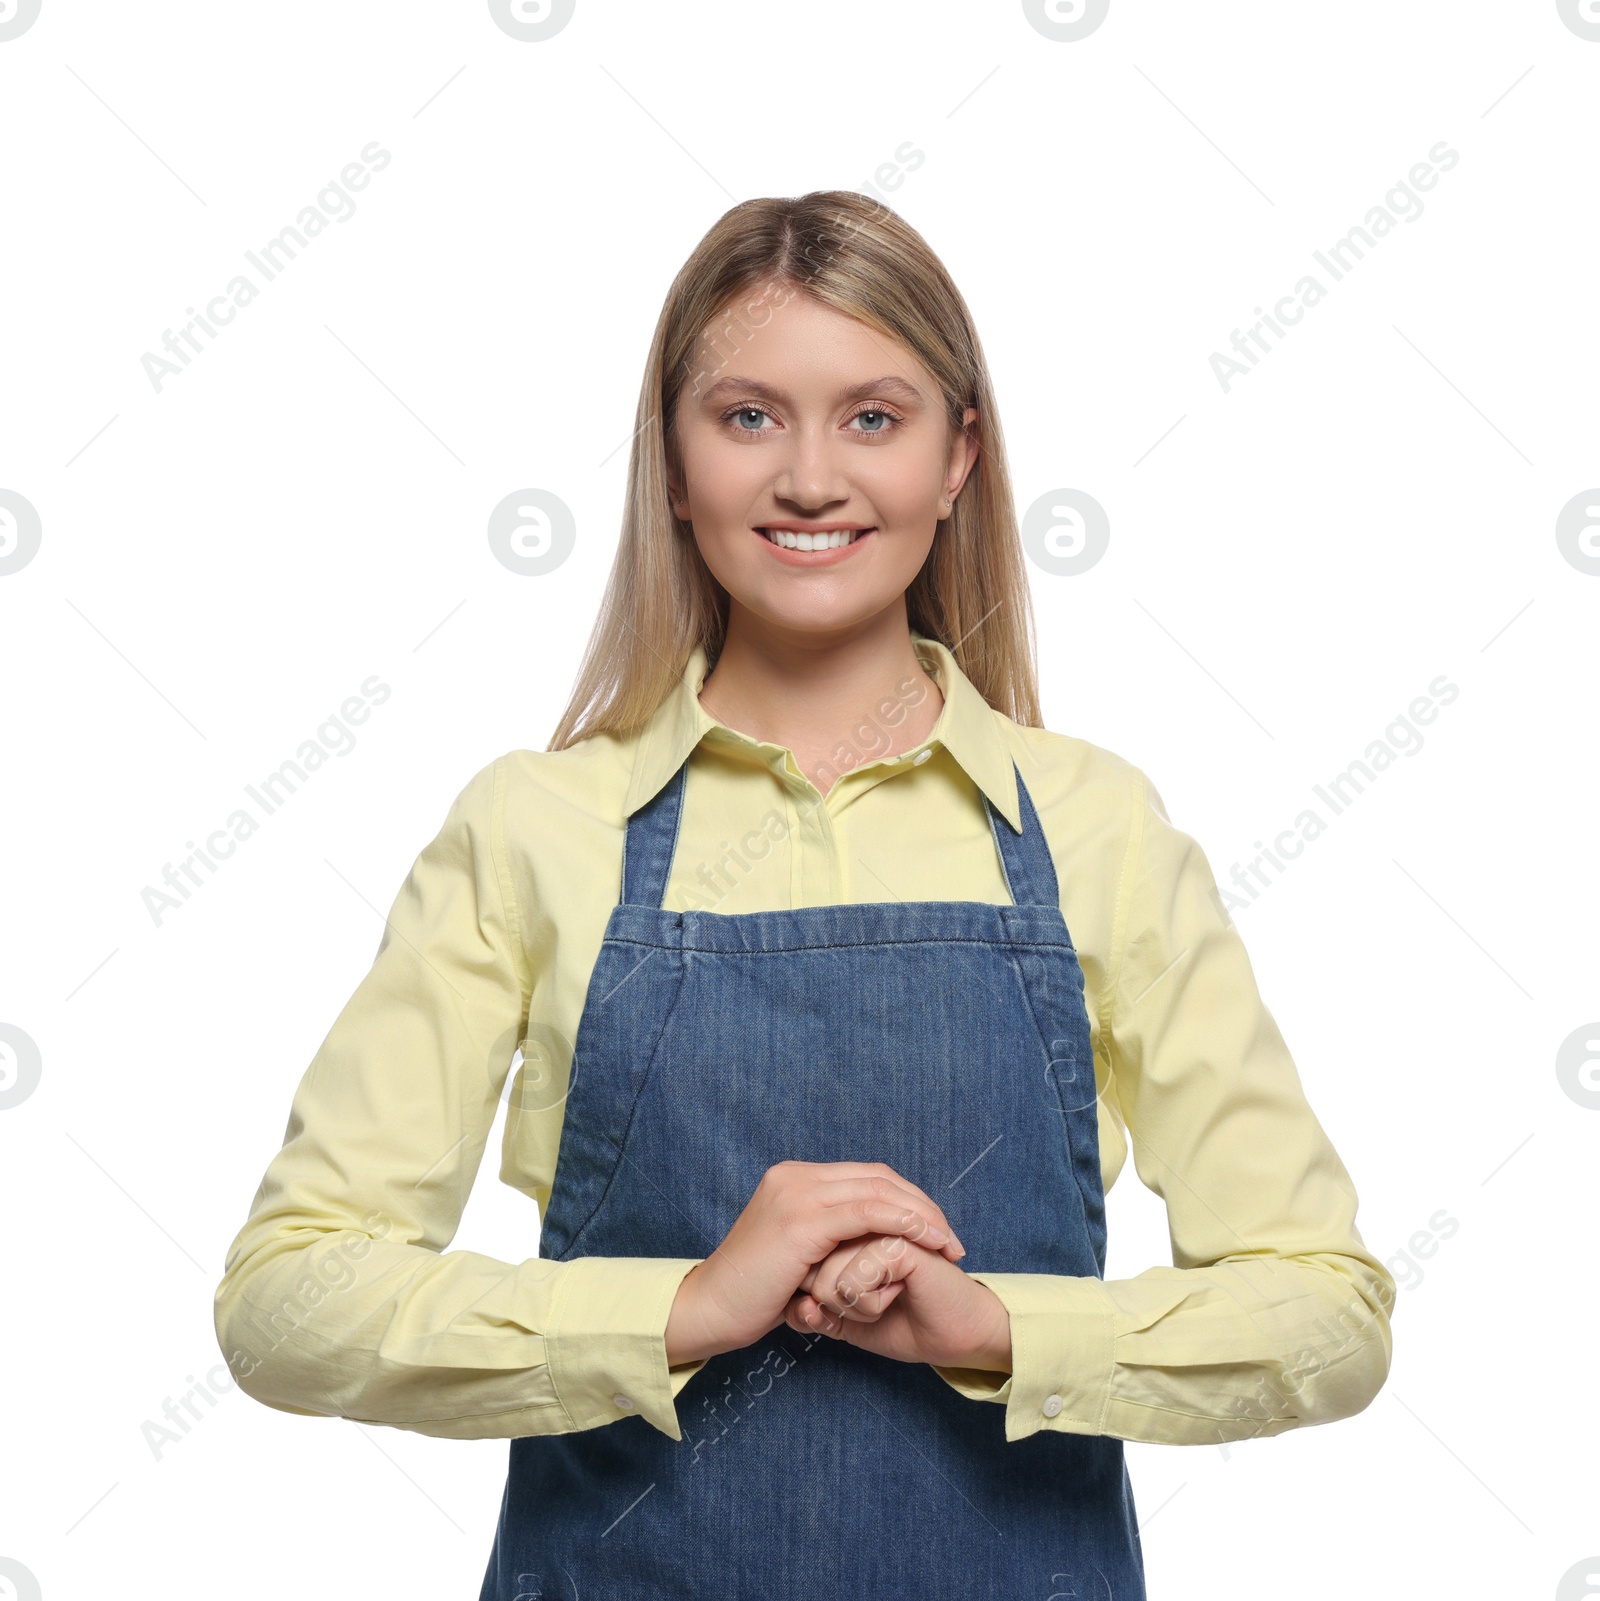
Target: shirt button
{"points": [[920, 757], [1052, 1405], [626, 1403]]}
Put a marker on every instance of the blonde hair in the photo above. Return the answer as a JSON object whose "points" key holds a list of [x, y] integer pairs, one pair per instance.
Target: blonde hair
{"points": [[858, 256]]}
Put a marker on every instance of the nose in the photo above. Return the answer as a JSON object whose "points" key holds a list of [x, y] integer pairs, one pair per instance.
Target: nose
{"points": [[810, 476]]}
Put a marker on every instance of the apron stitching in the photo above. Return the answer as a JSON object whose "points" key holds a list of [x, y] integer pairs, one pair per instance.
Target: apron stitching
{"points": [[1019, 941], [1091, 1201], [622, 1143]]}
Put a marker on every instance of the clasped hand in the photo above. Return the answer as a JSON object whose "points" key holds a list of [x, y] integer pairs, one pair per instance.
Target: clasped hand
{"points": [[848, 1249]]}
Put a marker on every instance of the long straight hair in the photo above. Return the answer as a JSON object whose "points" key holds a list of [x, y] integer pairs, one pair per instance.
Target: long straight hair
{"points": [[860, 257]]}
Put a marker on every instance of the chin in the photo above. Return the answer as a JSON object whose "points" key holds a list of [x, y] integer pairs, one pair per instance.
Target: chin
{"points": [[798, 618]]}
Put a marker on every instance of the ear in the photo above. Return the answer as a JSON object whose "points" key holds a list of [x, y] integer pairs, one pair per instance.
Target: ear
{"points": [[675, 479], [964, 448], [675, 490]]}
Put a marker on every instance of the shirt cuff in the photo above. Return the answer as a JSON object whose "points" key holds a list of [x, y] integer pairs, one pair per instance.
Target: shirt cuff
{"points": [[606, 1346], [1062, 1344]]}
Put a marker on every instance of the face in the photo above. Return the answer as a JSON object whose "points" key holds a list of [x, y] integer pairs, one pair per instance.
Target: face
{"points": [[819, 432]]}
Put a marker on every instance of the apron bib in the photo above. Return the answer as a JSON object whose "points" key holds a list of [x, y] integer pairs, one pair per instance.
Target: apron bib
{"points": [[948, 1039]]}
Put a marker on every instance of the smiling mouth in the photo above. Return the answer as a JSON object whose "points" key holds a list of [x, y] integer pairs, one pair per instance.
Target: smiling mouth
{"points": [[799, 539]]}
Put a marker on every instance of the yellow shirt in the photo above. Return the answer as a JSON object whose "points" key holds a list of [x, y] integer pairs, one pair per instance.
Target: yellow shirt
{"points": [[340, 1297]]}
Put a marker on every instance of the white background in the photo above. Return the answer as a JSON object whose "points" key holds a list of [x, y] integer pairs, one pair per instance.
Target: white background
{"points": [[1291, 564]]}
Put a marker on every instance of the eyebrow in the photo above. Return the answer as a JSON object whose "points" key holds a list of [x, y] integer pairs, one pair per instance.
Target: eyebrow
{"points": [[888, 384]]}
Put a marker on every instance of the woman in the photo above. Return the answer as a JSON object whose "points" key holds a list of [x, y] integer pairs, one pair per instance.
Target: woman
{"points": [[819, 1298]]}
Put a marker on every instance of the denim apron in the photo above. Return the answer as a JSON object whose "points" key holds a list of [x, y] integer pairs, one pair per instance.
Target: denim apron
{"points": [[948, 1039]]}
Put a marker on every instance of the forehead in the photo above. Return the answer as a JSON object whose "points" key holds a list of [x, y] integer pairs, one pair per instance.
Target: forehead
{"points": [[785, 340]]}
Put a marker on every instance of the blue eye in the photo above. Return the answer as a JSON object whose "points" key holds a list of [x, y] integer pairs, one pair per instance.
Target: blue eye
{"points": [[746, 420], [887, 422]]}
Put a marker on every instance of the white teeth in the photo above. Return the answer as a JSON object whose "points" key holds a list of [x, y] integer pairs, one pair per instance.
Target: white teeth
{"points": [[796, 541]]}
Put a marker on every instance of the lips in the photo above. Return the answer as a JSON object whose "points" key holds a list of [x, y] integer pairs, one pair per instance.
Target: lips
{"points": [[808, 540], [823, 552]]}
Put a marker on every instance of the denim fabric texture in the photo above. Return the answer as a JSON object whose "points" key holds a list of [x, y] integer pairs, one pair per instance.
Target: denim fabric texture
{"points": [[948, 1039]]}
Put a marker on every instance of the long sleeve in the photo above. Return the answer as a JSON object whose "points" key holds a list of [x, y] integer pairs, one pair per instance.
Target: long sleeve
{"points": [[1274, 1314], [339, 1297]]}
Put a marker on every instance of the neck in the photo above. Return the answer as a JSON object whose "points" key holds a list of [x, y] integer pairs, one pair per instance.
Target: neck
{"points": [[834, 700]]}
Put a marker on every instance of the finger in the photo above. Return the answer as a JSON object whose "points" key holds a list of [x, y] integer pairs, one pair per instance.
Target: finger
{"points": [[864, 1174], [848, 1278], [868, 1309], [810, 1317], [836, 1260], [857, 1282], [868, 1306], [868, 1178], [868, 1214], [909, 1213], [814, 1314], [851, 1276], [805, 1316]]}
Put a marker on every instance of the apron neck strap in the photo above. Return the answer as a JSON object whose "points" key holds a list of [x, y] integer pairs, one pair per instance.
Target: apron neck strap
{"points": [[651, 841], [1030, 872]]}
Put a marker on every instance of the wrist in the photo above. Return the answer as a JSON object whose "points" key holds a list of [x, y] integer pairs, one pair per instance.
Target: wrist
{"points": [[993, 1353], [687, 1337]]}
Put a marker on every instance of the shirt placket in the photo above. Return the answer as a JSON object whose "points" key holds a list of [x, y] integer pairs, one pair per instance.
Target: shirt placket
{"points": [[821, 871], [846, 871], [814, 860]]}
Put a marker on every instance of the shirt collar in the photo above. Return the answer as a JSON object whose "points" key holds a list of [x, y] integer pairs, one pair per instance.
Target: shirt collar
{"points": [[967, 727]]}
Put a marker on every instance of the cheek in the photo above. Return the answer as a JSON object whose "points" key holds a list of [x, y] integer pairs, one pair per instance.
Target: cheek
{"points": [[724, 551], [905, 491], [724, 482], [908, 493]]}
